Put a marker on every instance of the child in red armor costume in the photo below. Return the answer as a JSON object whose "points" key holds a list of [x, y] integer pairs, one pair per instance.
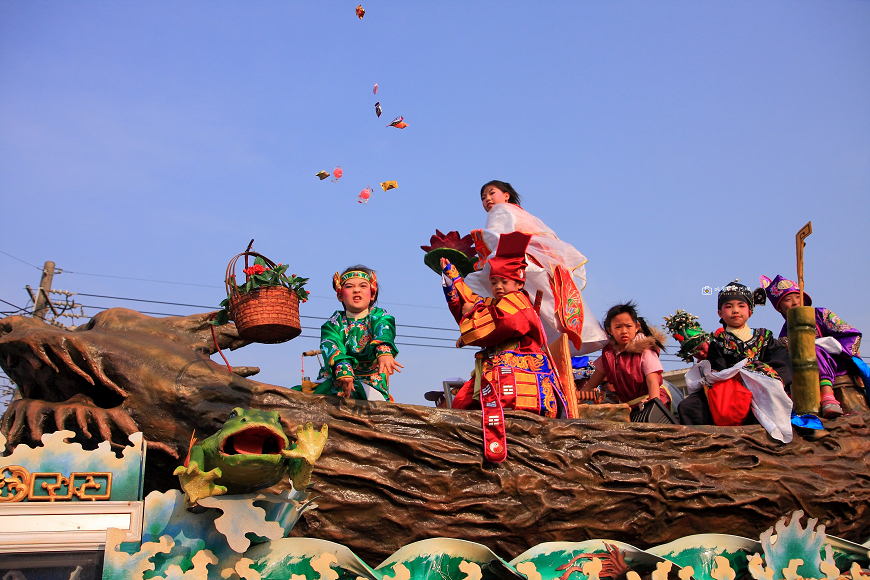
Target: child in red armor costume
{"points": [[512, 371]]}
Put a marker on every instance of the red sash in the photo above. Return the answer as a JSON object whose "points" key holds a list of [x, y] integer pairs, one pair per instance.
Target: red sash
{"points": [[494, 437]]}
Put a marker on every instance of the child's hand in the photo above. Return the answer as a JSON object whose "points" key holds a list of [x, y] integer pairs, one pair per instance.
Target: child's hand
{"points": [[387, 364], [467, 307], [345, 384], [444, 263]]}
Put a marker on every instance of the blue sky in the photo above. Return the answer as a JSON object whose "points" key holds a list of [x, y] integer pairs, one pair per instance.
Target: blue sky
{"points": [[675, 144]]}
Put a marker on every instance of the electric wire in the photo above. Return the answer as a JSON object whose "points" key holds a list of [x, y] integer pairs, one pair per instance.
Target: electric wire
{"points": [[142, 279], [19, 308], [303, 327], [214, 308], [453, 340], [666, 358], [20, 260]]}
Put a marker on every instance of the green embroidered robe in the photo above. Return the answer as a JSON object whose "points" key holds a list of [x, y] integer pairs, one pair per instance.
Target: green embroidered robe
{"points": [[351, 349]]}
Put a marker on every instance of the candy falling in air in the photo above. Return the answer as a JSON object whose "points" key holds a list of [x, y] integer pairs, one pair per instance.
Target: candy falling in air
{"points": [[398, 123], [360, 11], [388, 185], [337, 173], [364, 195], [378, 110], [376, 88], [322, 175]]}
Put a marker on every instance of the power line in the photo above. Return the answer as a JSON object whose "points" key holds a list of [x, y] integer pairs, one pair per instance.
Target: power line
{"points": [[407, 344], [143, 300], [188, 283], [212, 286], [303, 327], [214, 308], [10, 304], [667, 358], [20, 260], [453, 340], [141, 279]]}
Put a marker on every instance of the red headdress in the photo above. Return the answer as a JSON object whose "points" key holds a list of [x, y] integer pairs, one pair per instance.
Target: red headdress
{"points": [[510, 257]]}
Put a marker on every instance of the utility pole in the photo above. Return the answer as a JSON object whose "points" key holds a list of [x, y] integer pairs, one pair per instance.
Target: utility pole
{"points": [[41, 301]]}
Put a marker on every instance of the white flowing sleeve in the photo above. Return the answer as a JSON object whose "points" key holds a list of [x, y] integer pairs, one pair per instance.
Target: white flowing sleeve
{"points": [[549, 251]]}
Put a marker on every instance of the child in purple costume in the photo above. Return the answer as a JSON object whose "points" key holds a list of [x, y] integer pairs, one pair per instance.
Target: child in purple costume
{"points": [[836, 342]]}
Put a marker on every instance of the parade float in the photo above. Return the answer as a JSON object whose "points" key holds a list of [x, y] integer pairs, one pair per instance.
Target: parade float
{"points": [[244, 479]]}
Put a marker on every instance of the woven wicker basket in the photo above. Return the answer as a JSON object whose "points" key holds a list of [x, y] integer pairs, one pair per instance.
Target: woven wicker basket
{"points": [[267, 315]]}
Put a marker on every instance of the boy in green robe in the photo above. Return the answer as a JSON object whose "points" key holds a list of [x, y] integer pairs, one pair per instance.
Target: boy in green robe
{"points": [[358, 343]]}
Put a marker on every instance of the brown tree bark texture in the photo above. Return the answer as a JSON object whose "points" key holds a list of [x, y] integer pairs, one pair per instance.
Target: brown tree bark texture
{"points": [[394, 474]]}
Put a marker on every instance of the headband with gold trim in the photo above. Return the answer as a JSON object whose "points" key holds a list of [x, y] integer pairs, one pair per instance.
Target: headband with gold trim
{"points": [[338, 280]]}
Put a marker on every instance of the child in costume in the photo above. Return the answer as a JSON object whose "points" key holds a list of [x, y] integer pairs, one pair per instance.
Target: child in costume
{"points": [[555, 268], [358, 343], [837, 343], [736, 350], [630, 362], [512, 371]]}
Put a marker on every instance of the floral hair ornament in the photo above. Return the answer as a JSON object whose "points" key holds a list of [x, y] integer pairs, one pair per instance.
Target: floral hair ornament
{"points": [[686, 330], [338, 281]]}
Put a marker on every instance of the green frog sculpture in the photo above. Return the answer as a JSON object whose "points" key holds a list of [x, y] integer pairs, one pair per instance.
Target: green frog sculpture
{"points": [[250, 453]]}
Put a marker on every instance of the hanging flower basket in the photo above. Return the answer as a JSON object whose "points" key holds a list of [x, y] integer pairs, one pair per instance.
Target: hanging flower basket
{"points": [[266, 307]]}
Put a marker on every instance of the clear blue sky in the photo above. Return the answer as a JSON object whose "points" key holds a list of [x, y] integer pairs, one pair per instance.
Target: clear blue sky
{"points": [[676, 144]]}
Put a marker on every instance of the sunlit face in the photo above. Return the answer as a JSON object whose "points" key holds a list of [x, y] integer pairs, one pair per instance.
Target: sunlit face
{"points": [[623, 329], [735, 313], [492, 195], [788, 302], [501, 286], [356, 295]]}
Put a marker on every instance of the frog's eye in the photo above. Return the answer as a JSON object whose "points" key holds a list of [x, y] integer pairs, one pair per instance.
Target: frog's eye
{"points": [[233, 414]]}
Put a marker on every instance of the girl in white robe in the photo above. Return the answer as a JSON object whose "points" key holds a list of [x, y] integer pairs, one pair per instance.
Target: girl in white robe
{"points": [[504, 215]]}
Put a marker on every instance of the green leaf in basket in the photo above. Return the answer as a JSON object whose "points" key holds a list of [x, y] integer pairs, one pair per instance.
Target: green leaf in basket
{"points": [[260, 261], [221, 318]]}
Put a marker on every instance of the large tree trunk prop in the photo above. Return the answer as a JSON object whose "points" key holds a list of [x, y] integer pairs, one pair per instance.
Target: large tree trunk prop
{"points": [[801, 322], [392, 474]]}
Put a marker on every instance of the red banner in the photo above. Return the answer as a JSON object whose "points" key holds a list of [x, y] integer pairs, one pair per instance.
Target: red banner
{"points": [[569, 305]]}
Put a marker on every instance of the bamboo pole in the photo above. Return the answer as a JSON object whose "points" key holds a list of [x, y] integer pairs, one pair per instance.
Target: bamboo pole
{"points": [[801, 324], [805, 391]]}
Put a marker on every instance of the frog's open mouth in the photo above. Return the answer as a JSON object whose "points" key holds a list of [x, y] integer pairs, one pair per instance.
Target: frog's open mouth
{"points": [[253, 441]]}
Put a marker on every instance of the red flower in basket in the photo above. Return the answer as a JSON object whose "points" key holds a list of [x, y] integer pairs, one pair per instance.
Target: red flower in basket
{"points": [[254, 270], [265, 294]]}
